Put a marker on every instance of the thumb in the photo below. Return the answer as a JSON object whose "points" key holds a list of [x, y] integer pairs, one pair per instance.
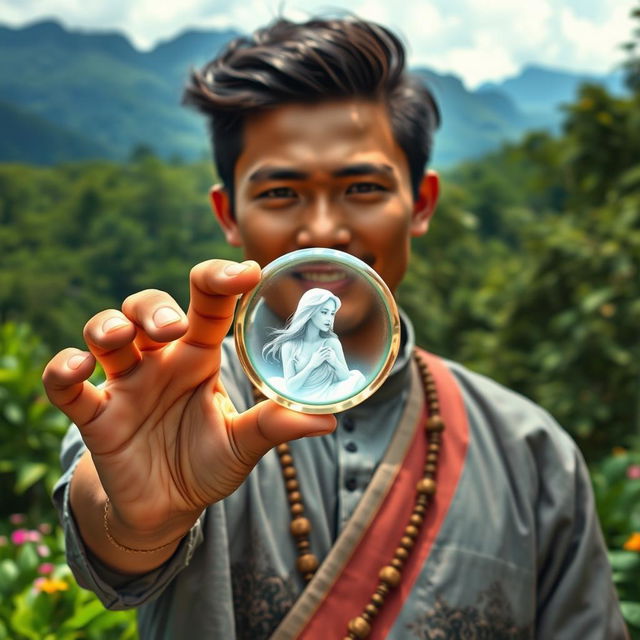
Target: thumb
{"points": [[267, 425]]}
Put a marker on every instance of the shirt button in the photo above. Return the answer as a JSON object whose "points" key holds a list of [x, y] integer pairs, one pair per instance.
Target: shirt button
{"points": [[351, 484], [348, 423], [351, 446]]}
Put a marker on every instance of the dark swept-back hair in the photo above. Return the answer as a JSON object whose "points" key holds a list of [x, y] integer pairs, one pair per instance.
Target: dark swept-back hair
{"points": [[321, 59]]}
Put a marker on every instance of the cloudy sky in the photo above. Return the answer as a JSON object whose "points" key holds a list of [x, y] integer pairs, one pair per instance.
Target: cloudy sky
{"points": [[476, 39]]}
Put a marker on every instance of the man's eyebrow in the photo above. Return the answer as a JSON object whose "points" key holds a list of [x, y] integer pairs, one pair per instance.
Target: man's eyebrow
{"points": [[277, 173], [351, 170], [363, 169]]}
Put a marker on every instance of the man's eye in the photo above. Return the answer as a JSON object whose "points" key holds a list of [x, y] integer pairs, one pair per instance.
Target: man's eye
{"points": [[278, 192], [365, 187]]}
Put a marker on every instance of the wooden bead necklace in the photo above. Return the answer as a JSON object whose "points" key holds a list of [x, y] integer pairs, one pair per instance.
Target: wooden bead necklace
{"points": [[390, 575]]}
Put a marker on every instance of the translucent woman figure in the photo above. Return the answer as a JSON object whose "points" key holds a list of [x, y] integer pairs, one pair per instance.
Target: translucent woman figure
{"points": [[313, 363]]}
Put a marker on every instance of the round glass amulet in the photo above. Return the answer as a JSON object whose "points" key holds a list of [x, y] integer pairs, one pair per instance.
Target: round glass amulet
{"points": [[319, 333]]}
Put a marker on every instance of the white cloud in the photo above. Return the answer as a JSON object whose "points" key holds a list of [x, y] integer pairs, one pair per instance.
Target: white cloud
{"points": [[595, 45], [476, 39]]}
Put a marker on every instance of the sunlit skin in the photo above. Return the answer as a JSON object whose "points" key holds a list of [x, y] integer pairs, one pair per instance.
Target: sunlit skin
{"points": [[327, 175]]}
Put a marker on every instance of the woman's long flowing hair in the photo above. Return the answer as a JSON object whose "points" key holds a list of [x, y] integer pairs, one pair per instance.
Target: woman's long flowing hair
{"points": [[310, 302]]}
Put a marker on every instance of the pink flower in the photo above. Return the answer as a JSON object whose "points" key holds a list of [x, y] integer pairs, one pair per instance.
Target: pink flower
{"points": [[33, 536], [45, 568], [44, 528], [38, 582], [43, 551], [633, 471], [19, 536], [17, 518]]}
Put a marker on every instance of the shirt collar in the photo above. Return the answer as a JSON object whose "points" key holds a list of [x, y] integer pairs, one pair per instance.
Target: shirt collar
{"points": [[397, 380]]}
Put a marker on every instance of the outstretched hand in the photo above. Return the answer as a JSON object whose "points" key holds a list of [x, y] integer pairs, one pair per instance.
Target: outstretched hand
{"points": [[164, 437]]}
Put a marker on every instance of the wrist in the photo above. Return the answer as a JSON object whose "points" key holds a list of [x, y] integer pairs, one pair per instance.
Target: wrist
{"points": [[147, 541]]}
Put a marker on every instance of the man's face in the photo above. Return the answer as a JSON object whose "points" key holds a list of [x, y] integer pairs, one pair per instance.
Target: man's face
{"points": [[330, 175]]}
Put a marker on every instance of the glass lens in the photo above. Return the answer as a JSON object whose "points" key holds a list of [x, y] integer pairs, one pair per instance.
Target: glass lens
{"points": [[320, 332]]}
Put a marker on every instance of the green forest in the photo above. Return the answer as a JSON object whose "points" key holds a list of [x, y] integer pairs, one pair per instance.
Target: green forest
{"points": [[530, 274]]}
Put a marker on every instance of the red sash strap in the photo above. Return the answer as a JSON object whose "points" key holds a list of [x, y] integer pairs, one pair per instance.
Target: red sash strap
{"points": [[358, 578]]}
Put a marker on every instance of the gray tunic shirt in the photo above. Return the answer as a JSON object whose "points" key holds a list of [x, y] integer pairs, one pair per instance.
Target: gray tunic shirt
{"points": [[519, 555]]}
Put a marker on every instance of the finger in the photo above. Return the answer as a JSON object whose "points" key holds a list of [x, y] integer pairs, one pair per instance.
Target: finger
{"points": [[146, 343], [267, 424], [215, 286], [109, 336], [157, 316], [65, 382]]}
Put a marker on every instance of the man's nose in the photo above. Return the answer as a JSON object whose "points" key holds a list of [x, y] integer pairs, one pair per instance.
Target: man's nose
{"points": [[323, 224]]}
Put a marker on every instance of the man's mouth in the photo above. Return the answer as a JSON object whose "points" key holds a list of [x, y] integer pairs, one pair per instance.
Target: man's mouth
{"points": [[335, 275]]}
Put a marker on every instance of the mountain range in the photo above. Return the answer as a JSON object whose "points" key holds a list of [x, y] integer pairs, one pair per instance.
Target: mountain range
{"points": [[69, 95]]}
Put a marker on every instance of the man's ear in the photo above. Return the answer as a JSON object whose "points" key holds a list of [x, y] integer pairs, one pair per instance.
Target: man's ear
{"points": [[425, 205], [221, 205]]}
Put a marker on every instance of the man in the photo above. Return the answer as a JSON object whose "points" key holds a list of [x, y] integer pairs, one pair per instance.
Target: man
{"points": [[175, 503]]}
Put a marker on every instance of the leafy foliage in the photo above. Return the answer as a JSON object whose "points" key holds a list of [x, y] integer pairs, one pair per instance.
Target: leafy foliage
{"points": [[30, 428], [616, 482], [39, 599], [100, 232]]}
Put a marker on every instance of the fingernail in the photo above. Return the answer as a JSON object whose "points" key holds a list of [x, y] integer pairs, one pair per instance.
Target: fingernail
{"points": [[165, 316], [74, 362], [235, 268], [113, 323]]}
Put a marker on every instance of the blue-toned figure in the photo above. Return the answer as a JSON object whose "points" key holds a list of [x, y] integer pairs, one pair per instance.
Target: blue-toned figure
{"points": [[313, 363]]}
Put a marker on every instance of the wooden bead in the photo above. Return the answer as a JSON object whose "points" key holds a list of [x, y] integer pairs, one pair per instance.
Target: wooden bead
{"points": [[303, 545], [432, 458], [420, 508], [416, 519], [292, 485], [359, 627], [423, 499], [382, 589], [434, 447], [372, 610], [300, 527], [295, 496], [296, 509], [430, 468], [289, 473], [401, 553], [282, 448], [397, 563], [406, 542], [411, 531], [377, 599], [307, 563], [426, 485], [390, 575], [286, 460]]}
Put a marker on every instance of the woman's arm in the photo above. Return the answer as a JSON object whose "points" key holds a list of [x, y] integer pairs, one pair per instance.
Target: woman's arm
{"points": [[296, 379], [337, 359]]}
